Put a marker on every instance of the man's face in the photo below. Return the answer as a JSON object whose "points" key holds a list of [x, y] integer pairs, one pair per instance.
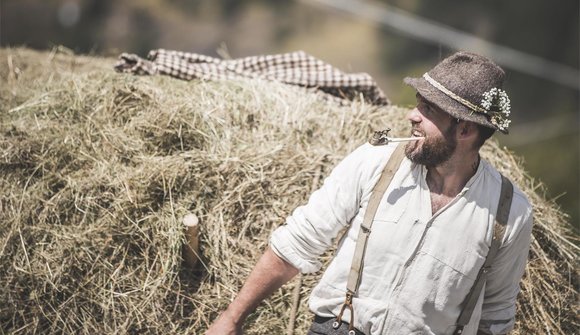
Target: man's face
{"points": [[437, 127]]}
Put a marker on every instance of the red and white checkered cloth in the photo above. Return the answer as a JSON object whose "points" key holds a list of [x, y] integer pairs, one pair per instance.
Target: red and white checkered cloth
{"points": [[296, 68]]}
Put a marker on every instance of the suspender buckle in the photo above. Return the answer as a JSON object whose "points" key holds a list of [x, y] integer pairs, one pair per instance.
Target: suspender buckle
{"points": [[347, 303], [458, 330]]}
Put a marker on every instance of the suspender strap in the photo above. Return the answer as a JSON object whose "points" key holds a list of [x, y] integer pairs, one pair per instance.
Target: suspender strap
{"points": [[365, 229], [501, 218]]}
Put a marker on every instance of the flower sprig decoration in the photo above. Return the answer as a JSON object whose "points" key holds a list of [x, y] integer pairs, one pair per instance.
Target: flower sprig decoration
{"points": [[497, 104]]}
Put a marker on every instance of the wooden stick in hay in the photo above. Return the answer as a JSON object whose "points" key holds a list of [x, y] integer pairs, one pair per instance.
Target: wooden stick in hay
{"points": [[191, 247]]}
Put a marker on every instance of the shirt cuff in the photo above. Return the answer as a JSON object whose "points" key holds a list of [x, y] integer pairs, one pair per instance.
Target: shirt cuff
{"points": [[280, 244]]}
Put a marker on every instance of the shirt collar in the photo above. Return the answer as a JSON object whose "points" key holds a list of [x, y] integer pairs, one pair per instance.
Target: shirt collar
{"points": [[467, 186]]}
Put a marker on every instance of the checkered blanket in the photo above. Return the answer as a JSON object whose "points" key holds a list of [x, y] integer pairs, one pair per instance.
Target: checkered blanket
{"points": [[296, 68]]}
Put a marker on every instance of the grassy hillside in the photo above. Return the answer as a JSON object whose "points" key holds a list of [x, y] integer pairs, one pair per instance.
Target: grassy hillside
{"points": [[98, 169]]}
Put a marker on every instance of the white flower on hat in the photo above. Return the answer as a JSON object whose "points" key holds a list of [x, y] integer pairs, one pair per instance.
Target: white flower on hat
{"points": [[497, 105]]}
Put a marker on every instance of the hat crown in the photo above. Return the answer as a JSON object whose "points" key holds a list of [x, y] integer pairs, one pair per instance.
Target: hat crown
{"points": [[468, 75]]}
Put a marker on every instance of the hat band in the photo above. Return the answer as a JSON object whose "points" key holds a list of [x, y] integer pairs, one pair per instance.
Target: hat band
{"points": [[452, 95]]}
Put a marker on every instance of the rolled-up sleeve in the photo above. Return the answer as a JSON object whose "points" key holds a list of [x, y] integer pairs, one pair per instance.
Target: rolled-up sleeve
{"points": [[503, 281], [311, 228]]}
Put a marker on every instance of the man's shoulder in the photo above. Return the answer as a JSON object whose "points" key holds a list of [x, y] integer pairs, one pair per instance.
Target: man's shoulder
{"points": [[520, 217], [370, 156], [520, 199], [366, 163], [375, 151]]}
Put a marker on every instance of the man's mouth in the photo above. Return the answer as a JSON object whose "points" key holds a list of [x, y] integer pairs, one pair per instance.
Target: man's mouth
{"points": [[416, 133]]}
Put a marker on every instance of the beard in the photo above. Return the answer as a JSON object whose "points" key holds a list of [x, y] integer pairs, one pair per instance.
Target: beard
{"points": [[433, 151]]}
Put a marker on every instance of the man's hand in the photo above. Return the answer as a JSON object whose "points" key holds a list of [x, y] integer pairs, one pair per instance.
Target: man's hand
{"points": [[268, 275], [224, 325]]}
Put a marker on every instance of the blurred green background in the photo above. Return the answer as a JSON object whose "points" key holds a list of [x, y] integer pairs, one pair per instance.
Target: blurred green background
{"points": [[387, 39]]}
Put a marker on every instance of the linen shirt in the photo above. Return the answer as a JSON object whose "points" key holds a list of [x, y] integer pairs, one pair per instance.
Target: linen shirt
{"points": [[418, 266]]}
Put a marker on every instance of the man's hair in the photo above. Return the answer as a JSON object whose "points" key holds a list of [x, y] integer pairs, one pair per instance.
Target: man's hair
{"points": [[483, 134]]}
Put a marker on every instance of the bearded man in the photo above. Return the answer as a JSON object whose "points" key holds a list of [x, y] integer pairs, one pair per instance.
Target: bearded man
{"points": [[435, 261]]}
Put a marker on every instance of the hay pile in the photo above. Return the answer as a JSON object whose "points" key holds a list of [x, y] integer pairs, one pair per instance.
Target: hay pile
{"points": [[98, 169]]}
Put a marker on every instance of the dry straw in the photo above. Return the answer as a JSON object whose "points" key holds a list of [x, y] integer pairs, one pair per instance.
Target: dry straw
{"points": [[98, 170]]}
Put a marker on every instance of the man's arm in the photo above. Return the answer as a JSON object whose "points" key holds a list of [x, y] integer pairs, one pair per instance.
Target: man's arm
{"points": [[308, 232], [269, 274], [502, 285]]}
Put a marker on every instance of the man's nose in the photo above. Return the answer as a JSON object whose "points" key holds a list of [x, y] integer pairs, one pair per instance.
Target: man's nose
{"points": [[414, 115]]}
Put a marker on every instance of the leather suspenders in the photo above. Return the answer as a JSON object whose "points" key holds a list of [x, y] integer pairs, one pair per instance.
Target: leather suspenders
{"points": [[365, 230]]}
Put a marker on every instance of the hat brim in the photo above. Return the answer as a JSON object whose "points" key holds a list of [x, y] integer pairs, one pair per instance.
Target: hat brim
{"points": [[449, 105]]}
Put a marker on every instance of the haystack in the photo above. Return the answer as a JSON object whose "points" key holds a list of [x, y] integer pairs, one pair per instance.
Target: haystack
{"points": [[98, 169]]}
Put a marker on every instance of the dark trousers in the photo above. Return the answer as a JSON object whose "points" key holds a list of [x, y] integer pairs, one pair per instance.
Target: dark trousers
{"points": [[323, 326]]}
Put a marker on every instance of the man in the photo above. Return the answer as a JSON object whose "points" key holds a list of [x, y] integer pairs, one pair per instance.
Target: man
{"points": [[432, 229]]}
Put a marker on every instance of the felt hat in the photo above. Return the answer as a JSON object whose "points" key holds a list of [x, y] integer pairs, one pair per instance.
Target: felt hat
{"points": [[468, 87]]}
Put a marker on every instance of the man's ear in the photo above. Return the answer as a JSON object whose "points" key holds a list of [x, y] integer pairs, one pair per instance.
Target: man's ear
{"points": [[466, 130]]}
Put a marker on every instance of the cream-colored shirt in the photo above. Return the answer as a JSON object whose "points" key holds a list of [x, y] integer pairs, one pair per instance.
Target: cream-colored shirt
{"points": [[418, 267]]}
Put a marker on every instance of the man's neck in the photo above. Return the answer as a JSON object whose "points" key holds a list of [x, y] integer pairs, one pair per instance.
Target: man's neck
{"points": [[450, 177]]}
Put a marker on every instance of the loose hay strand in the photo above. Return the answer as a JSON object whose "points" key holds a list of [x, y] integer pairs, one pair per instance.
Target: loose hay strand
{"points": [[99, 168]]}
